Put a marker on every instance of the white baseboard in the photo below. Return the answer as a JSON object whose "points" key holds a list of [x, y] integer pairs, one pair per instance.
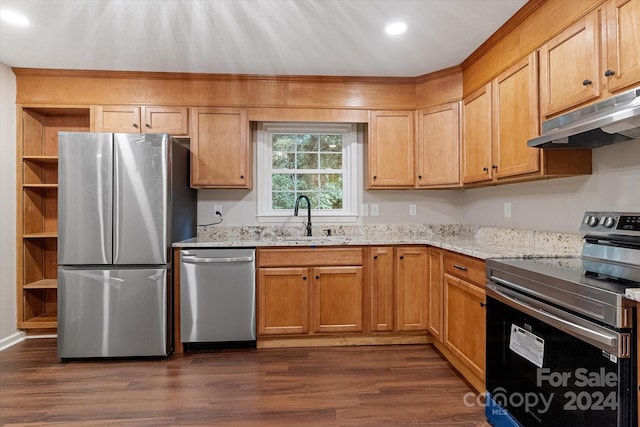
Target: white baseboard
{"points": [[12, 340]]}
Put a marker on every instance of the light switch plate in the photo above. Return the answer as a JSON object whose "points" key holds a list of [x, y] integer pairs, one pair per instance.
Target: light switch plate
{"points": [[412, 210], [373, 209], [507, 210], [364, 209]]}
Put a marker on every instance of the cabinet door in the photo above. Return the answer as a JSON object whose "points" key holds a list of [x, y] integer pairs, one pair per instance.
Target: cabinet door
{"points": [[411, 282], [118, 118], [477, 136], [465, 323], [220, 149], [515, 119], [623, 43], [283, 301], [337, 299], [435, 292], [569, 67], [381, 282], [438, 150], [171, 120], [390, 155]]}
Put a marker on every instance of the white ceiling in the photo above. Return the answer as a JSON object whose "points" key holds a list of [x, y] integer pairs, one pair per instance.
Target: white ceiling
{"points": [[289, 37]]}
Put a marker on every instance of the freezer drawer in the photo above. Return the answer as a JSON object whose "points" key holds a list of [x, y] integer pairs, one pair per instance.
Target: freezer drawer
{"points": [[112, 312], [217, 295]]}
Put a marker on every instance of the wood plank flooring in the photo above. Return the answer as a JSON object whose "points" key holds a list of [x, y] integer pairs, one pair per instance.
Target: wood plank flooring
{"points": [[337, 386]]}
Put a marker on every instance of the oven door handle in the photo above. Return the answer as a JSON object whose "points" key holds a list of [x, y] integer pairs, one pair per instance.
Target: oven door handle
{"points": [[609, 341]]}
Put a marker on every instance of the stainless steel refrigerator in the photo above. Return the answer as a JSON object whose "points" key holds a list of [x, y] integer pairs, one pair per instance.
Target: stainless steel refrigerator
{"points": [[123, 199]]}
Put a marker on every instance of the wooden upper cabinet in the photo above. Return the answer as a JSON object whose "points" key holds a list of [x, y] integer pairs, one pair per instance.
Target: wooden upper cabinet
{"points": [[390, 149], [595, 57], [515, 120], [477, 136], [131, 119], [622, 67], [570, 66], [220, 148], [438, 146]]}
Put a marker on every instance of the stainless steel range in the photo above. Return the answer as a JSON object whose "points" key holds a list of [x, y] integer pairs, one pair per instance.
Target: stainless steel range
{"points": [[561, 338]]}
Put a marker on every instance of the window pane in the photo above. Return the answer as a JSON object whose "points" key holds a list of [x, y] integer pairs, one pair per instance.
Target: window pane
{"points": [[307, 142], [307, 182], [282, 181], [331, 182], [284, 142], [330, 200], [331, 143], [331, 161], [282, 160], [307, 161], [282, 200]]}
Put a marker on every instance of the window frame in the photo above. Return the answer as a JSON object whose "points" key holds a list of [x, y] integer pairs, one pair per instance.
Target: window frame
{"points": [[264, 172]]}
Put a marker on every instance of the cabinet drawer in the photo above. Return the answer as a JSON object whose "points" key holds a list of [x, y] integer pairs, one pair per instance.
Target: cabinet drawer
{"points": [[465, 267], [293, 257]]}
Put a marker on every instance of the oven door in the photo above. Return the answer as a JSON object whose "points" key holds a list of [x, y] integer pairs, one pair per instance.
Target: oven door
{"points": [[547, 367]]}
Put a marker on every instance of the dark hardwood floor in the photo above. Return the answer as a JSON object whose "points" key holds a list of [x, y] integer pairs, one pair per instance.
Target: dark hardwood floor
{"points": [[338, 386]]}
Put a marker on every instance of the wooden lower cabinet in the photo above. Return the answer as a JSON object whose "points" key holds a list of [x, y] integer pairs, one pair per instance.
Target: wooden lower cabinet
{"points": [[465, 323], [307, 291], [435, 293], [398, 288]]}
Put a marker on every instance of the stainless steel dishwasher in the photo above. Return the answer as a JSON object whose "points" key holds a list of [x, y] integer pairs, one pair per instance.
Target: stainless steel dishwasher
{"points": [[217, 296]]}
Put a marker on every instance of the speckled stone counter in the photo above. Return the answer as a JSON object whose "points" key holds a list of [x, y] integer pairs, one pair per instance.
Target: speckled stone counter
{"points": [[476, 241]]}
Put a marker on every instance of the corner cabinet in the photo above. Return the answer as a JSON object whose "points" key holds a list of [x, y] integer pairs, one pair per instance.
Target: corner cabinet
{"points": [[221, 153], [132, 119], [390, 149], [438, 147], [37, 217]]}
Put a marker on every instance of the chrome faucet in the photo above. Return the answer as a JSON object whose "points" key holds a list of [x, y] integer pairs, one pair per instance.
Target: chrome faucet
{"points": [[295, 211]]}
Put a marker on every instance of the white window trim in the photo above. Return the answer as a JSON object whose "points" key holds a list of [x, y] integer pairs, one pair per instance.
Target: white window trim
{"points": [[350, 175]]}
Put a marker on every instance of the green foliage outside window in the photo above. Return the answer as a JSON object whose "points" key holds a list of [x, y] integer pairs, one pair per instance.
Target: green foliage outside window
{"points": [[309, 164]]}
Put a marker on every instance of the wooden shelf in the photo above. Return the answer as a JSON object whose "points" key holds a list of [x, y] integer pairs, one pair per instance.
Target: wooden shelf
{"points": [[41, 159], [45, 186], [44, 235], [44, 321], [42, 284]]}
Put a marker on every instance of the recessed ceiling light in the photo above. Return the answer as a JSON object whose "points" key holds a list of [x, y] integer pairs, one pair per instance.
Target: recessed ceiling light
{"points": [[14, 18], [395, 28]]}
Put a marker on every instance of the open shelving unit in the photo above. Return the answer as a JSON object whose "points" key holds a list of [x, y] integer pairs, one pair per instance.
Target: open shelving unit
{"points": [[38, 210]]}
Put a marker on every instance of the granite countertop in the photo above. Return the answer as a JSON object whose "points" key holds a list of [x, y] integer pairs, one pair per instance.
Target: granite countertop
{"points": [[475, 241]]}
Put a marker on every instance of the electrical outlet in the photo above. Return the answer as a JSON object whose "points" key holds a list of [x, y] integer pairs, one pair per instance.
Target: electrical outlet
{"points": [[364, 209], [507, 210], [217, 208], [373, 209], [412, 210]]}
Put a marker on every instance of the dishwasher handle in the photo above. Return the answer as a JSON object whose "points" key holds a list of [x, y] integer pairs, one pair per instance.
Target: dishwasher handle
{"points": [[203, 260]]}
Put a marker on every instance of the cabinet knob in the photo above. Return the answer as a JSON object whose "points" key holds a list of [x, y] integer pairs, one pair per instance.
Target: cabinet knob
{"points": [[494, 166], [148, 126], [304, 277], [485, 169], [318, 277], [586, 82], [401, 256], [482, 304], [419, 176], [609, 73], [375, 177], [375, 257], [241, 176], [135, 125]]}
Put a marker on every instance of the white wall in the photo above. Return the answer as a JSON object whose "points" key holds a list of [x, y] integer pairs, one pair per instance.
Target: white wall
{"points": [[7, 204], [558, 204]]}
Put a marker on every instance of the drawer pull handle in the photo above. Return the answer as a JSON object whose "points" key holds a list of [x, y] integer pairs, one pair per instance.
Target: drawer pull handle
{"points": [[459, 267], [609, 73], [586, 82]]}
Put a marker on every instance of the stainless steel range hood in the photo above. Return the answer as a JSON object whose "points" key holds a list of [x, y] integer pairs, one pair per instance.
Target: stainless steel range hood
{"points": [[613, 120]]}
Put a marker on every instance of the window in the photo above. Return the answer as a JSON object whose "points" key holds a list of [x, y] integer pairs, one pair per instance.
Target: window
{"points": [[317, 160]]}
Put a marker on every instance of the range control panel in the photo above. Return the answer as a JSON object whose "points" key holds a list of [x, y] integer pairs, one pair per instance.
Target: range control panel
{"points": [[611, 223]]}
